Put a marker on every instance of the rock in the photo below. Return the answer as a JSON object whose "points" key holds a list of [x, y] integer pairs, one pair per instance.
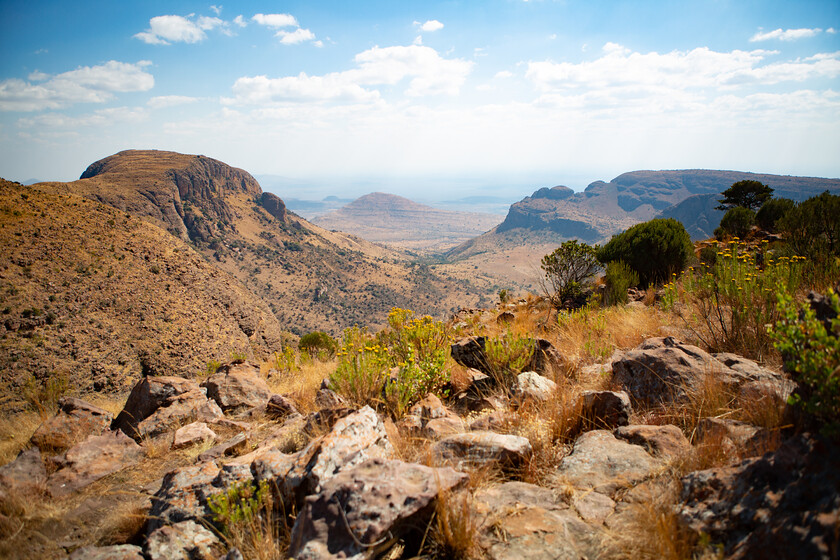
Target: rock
{"points": [[353, 439], [521, 520], [479, 449], [763, 383], [505, 318], [546, 359], [191, 434], [442, 427], [534, 387], [274, 205], [593, 507], [432, 419], [233, 554], [92, 459], [177, 411], [605, 464], [606, 409], [25, 476], [782, 505], [493, 421], [272, 465], [665, 441], [327, 398], [149, 394], [237, 387], [428, 408], [821, 305], [379, 501], [747, 439], [233, 446], [183, 541], [469, 352], [280, 407], [116, 552], [664, 370], [74, 421]]}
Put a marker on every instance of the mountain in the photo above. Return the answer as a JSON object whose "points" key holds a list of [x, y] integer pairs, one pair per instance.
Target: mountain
{"points": [[399, 222], [312, 279], [97, 296], [537, 224], [698, 213]]}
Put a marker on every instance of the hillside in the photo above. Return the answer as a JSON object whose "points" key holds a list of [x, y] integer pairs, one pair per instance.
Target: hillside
{"points": [[539, 223], [97, 296], [313, 279], [399, 222]]}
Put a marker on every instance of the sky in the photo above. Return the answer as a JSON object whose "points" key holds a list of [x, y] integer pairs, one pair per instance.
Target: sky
{"points": [[428, 99]]}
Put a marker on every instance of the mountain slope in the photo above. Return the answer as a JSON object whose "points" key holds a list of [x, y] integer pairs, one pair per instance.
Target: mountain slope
{"points": [[313, 279], [98, 296], [399, 222]]}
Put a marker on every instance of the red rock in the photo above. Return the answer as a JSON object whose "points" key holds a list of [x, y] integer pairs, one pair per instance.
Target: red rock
{"points": [[74, 422], [92, 459]]}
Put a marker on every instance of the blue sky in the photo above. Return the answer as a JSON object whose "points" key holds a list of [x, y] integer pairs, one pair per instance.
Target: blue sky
{"points": [[427, 99]]}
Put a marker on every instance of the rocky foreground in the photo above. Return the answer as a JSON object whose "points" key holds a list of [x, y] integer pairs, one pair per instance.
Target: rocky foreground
{"points": [[349, 483]]}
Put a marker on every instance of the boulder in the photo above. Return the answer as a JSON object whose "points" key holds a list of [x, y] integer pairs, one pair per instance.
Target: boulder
{"points": [[364, 510], [178, 410], [237, 387], [469, 352], [149, 394], [783, 505], [747, 439], [546, 359], [233, 446], [520, 520], [26, 475], [601, 462], [531, 386], [442, 427], [115, 552], [280, 407], [92, 459], [430, 418], [665, 441], [74, 422], [182, 541], [479, 449], [505, 318], [606, 409], [327, 398], [353, 439], [594, 507], [191, 434]]}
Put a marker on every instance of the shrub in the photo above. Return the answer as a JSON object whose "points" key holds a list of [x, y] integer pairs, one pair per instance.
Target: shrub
{"points": [[812, 357], [812, 227], [771, 212], [43, 396], [735, 223], [745, 194], [618, 278], [507, 355], [317, 341], [655, 250], [246, 518], [567, 270]]}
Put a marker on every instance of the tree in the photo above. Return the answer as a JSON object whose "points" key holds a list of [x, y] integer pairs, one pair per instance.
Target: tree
{"points": [[655, 249], [812, 227], [567, 270], [747, 194], [772, 211], [736, 222]]}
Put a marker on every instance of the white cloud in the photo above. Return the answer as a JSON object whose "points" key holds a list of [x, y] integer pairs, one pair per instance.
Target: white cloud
{"points": [[216, 9], [503, 74], [275, 20], [86, 84], [163, 29], [785, 35], [37, 76], [294, 37], [831, 30], [259, 90], [240, 21], [318, 43], [163, 101], [432, 25], [102, 117]]}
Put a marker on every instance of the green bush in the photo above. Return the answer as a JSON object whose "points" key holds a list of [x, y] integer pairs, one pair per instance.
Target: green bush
{"points": [[812, 358], [745, 194], [771, 212], [812, 227], [567, 271], [735, 223], [317, 342], [655, 250], [618, 278], [507, 355]]}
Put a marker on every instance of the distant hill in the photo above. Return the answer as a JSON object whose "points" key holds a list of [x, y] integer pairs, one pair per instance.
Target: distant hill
{"points": [[399, 222], [312, 279], [553, 215], [99, 296]]}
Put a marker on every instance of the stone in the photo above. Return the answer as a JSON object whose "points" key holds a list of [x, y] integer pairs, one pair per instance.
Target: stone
{"points": [[280, 407], [353, 439], [782, 505], [74, 422], [428, 408], [442, 427], [749, 440], [237, 387], [593, 507], [26, 475], [546, 359], [520, 520], [479, 449], [327, 398], [274, 205], [149, 394], [606, 409], [505, 318], [115, 552], [601, 462], [469, 352], [182, 541], [364, 510], [233, 446], [531, 386], [94, 458], [493, 421], [177, 411], [665, 441], [191, 434]]}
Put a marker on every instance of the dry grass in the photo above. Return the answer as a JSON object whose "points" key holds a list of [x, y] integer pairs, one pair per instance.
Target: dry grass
{"points": [[302, 386], [15, 432], [455, 528]]}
